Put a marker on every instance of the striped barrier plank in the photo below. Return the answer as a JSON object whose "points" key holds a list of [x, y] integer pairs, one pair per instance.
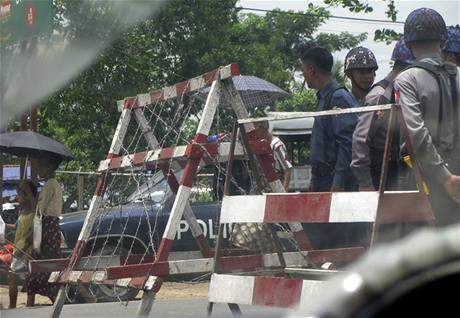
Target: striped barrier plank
{"points": [[82, 277], [262, 290], [232, 263], [218, 151], [88, 263], [201, 265], [179, 89], [100, 263], [326, 207]]}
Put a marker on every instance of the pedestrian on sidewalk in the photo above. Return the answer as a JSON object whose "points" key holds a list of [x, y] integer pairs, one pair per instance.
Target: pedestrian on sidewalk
{"points": [[49, 208], [26, 197]]}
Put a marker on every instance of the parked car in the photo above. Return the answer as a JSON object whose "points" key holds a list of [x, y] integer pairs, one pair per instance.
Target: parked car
{"points": [[132, 226], [129, 223]]}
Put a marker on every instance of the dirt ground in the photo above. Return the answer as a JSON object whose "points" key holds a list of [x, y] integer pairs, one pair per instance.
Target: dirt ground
{"points": [[169, 290]]}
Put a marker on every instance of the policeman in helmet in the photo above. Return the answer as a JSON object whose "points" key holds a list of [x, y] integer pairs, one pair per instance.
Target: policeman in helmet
{"points": [[451, 51], [370, 133], [360, 66], [428, 93]]}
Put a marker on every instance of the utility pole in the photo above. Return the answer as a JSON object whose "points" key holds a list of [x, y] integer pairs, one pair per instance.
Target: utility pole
{"points": [[23, 21], [2, 106]]}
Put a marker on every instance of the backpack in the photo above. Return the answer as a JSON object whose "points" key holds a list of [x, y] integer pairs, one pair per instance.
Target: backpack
{"points": [[395, 146], [450, 71], [384, 84]]}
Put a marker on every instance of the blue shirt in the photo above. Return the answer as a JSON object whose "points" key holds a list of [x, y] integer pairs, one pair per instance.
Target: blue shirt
{"points": [[332, 136]]}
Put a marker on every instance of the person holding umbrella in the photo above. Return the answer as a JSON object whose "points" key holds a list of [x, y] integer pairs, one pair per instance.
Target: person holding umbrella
{"points": [[46, 156], [48, 209]]}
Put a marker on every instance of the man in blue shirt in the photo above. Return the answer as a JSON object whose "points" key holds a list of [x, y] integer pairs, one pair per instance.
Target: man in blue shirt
{"points": [[331, 140]]}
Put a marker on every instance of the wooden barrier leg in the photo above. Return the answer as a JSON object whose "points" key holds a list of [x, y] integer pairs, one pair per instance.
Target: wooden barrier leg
{"points": [[151, 289], [235, 309], [189, 216], [59, 302], [183, 193], [384, 172], [146, 304], [210, 308]]}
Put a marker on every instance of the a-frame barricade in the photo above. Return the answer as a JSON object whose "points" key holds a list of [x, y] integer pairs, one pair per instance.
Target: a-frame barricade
{"points": [[283, 285], [148, 275]]}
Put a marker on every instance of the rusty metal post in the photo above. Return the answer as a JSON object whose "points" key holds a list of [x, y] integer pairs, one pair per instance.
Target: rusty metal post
{"points": [[2, 95], [387, 150], [80, 190], [1, 183], [228, 177], [231, 157], [384, 172], [22, 161], [252, 161], [33, 127]]}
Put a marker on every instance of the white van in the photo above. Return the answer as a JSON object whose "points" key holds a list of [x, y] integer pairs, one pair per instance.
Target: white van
{"points": [[296, 133]]}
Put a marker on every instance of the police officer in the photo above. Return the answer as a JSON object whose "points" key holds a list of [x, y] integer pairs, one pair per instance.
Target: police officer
{"points": [[360, 66], [428, 94], [330, 151], [451, 51], [370, 133]]}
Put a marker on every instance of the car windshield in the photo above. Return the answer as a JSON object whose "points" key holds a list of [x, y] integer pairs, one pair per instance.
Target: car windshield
{"points": [[156, 189]]}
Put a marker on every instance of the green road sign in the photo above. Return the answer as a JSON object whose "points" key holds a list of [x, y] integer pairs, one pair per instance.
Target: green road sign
{"points": [[24, 19]]}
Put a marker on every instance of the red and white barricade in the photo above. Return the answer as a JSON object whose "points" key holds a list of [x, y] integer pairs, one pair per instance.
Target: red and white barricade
{"points": [[146, 271], [292, 286]]}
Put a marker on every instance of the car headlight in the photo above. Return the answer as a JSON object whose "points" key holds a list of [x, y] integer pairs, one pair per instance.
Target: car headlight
{"points": [[63, 243]]}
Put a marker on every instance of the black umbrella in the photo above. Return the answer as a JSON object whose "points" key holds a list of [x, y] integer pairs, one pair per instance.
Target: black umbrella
{"points": [[33, 145], [253, 90]]}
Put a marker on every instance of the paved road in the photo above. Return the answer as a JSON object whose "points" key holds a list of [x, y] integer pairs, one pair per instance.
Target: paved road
{"points": [[161, 308]]}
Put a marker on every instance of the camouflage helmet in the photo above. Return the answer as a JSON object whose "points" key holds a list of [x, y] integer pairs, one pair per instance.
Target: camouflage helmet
{"points": [[360, 57], [424, 24], [453, 40], [401, 53]]}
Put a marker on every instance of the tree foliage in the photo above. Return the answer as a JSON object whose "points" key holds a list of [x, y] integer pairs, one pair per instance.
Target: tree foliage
{"points": [[185, 39], [386, 35], [303, 99]]}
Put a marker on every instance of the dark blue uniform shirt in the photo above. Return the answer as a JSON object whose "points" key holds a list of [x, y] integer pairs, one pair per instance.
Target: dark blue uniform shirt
{"points": [[332, 136]]}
